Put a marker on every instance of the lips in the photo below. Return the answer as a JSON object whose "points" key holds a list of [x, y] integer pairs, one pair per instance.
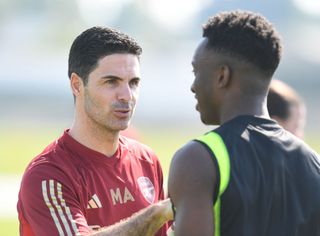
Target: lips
{"points": [[197, 105], [122, 110], [122, 113]]}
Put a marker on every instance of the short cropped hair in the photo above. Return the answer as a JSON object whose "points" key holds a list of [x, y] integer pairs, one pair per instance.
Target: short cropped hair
{"points": [[95, 43], [278, 105], [247, 36], [281, 98]]}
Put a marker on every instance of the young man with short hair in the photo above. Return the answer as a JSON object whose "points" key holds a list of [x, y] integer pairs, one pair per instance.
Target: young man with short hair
{"points": [[249, 176]]}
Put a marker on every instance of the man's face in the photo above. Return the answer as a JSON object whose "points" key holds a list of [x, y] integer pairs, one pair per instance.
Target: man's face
{"points": [[112, 90], [205, 67]]}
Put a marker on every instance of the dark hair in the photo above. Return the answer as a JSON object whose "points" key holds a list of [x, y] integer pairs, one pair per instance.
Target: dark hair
{"points": [[95, 43], [247, 36], [281, 98], [278, 105]]}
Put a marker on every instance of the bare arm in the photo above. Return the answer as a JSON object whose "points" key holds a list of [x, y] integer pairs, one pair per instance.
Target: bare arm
{"points": [[191, 187], [145, 222]]}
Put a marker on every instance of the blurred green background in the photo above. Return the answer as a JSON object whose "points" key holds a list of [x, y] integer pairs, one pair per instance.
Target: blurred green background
{"points": [[36, 104]]}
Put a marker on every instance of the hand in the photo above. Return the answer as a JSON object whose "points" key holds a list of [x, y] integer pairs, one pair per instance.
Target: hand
{"points": [[166, 208]]}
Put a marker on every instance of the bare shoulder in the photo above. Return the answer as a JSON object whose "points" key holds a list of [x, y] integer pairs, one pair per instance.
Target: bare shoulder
{"points": [[191, 188], [193, 152], [192, 170]]}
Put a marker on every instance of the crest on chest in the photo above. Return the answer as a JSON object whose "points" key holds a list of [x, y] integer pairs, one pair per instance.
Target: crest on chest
{"points": [[146, 188]]}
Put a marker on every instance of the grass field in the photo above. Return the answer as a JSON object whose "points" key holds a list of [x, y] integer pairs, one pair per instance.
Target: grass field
{"points": [[18, 146]]}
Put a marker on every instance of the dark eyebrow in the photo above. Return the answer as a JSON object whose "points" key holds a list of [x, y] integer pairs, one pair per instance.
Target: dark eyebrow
{"points": [[137, 78], [116, 77], [111, 77]]}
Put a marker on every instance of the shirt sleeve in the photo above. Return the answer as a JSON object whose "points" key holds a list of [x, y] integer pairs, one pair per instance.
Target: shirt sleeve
{"points": [[48, 204]]}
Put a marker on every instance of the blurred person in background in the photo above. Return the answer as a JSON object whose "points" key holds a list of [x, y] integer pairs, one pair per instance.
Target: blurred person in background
{"points": [[286, 107], [92, 177], [249, 176]]}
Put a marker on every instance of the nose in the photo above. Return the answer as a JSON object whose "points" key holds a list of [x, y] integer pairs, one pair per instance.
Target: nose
{"points": [[125, 93]]}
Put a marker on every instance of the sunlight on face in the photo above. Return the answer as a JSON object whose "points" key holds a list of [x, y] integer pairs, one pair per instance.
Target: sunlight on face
{"points": [[111, 93]]}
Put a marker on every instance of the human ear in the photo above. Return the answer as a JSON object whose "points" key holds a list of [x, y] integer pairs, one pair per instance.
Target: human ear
{"points": [[76, 84], [224, 76]]}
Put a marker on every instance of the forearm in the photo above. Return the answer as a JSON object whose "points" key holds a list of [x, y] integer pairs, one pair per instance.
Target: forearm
{"points": [[145, 222]]}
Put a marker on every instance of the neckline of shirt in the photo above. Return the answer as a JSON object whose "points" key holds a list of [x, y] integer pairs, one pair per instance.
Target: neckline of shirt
{"points": [[86, 152]]}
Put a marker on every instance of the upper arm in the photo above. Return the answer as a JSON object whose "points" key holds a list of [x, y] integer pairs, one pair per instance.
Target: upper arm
{"points": [[48, 203], [192, 179]]}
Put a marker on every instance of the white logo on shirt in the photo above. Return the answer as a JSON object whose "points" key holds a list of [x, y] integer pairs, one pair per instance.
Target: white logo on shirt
{"points": [[94, 202], [147, 188]]}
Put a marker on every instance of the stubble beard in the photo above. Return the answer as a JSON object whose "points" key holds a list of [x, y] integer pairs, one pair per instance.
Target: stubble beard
{"points": [[99, 119], [107, 122]]}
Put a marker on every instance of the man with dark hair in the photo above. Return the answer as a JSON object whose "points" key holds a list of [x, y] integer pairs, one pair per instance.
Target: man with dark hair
{"points": [[92, 177], [286, 107], [248, 176]]}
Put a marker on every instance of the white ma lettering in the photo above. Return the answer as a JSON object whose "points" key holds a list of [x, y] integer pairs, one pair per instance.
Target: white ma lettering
{"points": [[127, 196], [117, 196]]}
